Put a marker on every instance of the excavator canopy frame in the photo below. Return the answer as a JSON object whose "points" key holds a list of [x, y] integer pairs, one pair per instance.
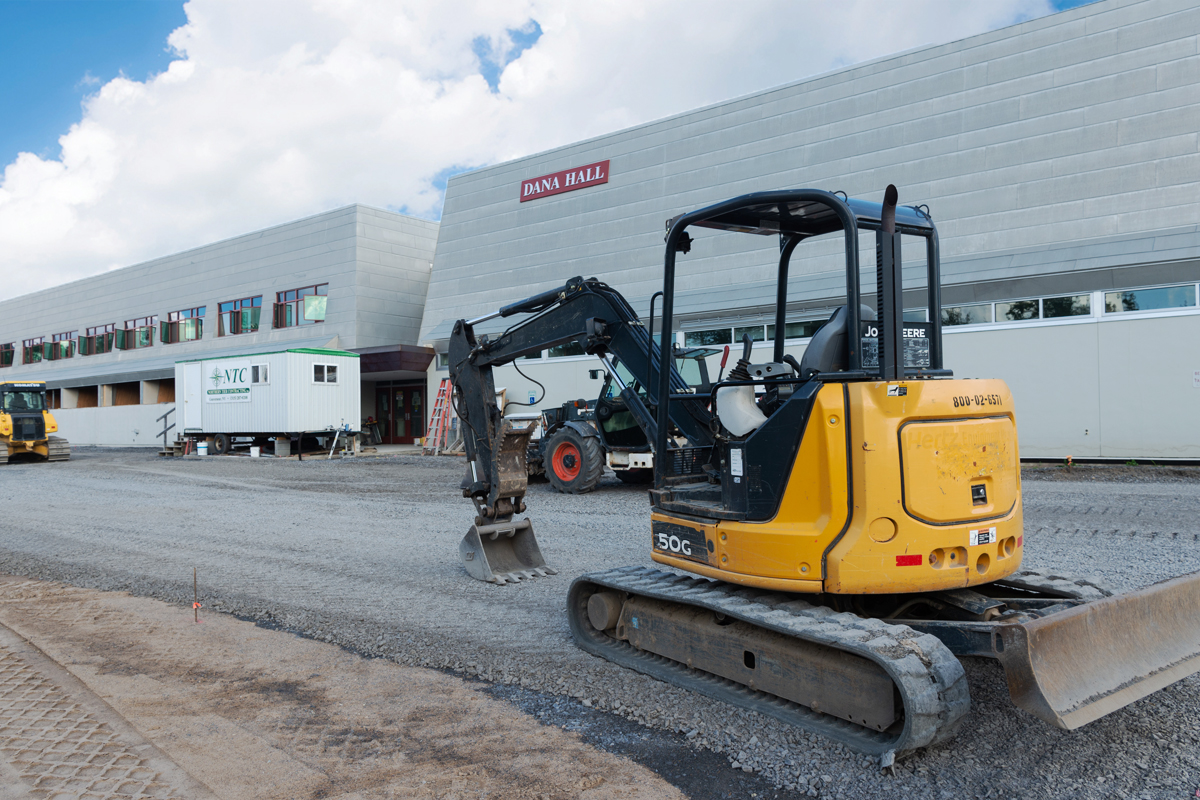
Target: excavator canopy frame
{"points": [[795, 215]]}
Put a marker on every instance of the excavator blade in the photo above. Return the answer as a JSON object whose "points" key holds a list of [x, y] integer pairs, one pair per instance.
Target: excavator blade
{"points": [[1077, 665], [504, 553]]}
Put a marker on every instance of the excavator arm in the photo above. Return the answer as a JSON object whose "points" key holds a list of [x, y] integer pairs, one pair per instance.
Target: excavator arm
{"points": [[599, 319]]}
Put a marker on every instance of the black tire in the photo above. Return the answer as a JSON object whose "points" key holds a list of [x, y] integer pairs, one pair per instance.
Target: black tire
{"points": [[635, 476], [574, 463], [221, 444]]}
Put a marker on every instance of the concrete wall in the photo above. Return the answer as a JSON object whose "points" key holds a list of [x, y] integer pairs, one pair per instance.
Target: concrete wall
{"points": [[117, 426]]}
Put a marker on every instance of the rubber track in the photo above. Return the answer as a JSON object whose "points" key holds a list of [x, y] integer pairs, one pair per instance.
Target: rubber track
{"points": [[931, 681], [1079, 587], [3, 452], [59, 449]]}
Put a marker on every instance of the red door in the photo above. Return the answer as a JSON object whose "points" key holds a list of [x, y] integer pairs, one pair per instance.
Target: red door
{"points": [[401, 411]]}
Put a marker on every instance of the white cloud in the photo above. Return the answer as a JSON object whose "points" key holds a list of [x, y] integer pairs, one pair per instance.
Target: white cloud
{"points": [[275, 110]]}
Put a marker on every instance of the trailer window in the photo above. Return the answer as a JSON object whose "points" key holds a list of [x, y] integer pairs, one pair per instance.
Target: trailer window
{"points": [[259, 374], [325, 373]]}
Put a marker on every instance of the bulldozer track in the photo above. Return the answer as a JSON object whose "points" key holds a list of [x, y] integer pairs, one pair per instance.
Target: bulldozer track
{"points": [[3, 453], [59, 449], [930, 680]]}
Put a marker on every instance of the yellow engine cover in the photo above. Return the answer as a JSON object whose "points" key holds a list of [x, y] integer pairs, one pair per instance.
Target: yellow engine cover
{"points": [[899, 487]]}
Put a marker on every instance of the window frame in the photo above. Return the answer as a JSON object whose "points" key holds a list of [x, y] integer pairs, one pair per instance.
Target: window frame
{"points": [[324, 381], [224, 329], [295, 305], [263, 369]]}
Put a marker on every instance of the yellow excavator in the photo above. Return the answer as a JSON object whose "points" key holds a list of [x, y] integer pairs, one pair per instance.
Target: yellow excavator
{"points": [[26, 424], [839, 529]]}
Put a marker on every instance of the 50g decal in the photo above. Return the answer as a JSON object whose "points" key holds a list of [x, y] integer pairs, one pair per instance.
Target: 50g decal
{"points": [[680, 541], [672, 543]]}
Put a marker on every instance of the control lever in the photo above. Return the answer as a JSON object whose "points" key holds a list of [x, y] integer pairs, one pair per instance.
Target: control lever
{"points": [[747, 346], [724, 359]]}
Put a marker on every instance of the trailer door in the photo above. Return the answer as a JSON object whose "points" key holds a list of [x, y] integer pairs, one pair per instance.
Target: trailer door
{"points": [[193, 416]]}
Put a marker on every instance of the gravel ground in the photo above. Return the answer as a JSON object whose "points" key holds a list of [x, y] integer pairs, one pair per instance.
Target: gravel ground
{"points": [[363, 553]]}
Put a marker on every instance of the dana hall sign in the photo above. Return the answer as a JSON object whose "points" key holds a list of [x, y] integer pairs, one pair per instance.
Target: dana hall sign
{"points": [[566, 181]]}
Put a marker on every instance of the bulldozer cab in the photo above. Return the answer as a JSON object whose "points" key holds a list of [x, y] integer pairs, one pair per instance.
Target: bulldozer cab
{"points": [[14, 399]]}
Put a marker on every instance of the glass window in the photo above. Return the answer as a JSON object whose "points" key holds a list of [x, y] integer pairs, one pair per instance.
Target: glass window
{"points": [[708, 338], [24, 401], [443, 360], [1074, 305], [755, 331], [330, 373], [303, 306], [974, 314], [325, 373], [259, 373], [1017, 310], [916, 314], [1150, 299], [796, 330], [568, 349], [318, 373]]}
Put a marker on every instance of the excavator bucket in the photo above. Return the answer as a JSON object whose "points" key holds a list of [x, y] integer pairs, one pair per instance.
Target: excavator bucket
{"points": [[503, 553], [1077, 665]]}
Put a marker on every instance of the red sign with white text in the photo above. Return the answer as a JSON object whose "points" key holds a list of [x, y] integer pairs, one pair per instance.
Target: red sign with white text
{"points": [[566, 181]]}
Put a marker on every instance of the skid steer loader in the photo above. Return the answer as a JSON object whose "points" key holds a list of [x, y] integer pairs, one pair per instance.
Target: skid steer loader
{"points": [[842, 527], [26, 425]]}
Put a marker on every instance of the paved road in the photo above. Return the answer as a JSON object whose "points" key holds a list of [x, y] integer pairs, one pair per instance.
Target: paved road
{"points": [[364, 553]]}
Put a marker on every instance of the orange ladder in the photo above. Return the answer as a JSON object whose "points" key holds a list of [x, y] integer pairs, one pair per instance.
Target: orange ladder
{"points": [[438, 421]]}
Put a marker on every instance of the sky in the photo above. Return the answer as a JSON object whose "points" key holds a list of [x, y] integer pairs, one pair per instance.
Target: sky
{"points": [[138, 128]]}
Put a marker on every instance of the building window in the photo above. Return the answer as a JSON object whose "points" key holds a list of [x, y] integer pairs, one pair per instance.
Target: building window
{"points": [[916, 315], [1073, 305], [566, 350], [99, 339], [796, 330], [443, 361], [183, 326], [7, 351], [1150, 299], [32, 351], [137, 333], [1018, 310], [708, 337], [62, 345], [239, 316], [259, 373], [325, 373], [304, 306], [974, 314]]}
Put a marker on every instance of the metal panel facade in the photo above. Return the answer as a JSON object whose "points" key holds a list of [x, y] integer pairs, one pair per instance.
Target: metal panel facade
{"points": [[1077, 126], [375, 262]]}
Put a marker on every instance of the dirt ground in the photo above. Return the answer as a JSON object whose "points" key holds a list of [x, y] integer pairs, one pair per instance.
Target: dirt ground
{"points": [[107, 695]]}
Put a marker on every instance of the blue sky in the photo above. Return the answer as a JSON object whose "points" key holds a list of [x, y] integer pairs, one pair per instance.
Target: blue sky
{"points": [[48, 48]]}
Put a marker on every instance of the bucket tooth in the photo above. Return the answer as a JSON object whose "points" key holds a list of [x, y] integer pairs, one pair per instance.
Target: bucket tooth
{"points": [[1077, 665], [503, 553]]}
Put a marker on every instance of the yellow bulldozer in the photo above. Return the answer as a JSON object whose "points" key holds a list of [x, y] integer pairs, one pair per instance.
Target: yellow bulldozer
{"points": [[840, 528], [26, 424]]}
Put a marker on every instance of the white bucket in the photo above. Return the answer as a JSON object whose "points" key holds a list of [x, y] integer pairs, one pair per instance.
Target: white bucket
{"points": [[255, 451], [202, 449]]}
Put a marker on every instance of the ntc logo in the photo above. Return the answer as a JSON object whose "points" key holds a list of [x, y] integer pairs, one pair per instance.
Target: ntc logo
{"points": [[220, 376]]}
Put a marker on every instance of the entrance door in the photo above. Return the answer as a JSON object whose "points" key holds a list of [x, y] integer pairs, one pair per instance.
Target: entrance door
{"points": [[193, 393], [401, 413]]}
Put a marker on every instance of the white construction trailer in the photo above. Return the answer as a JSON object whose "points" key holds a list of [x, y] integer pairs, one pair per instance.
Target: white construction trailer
{"points": [[282, 396]]}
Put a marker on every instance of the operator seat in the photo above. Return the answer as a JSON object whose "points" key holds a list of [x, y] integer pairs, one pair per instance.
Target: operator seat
{"points": [[826, 352]]}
